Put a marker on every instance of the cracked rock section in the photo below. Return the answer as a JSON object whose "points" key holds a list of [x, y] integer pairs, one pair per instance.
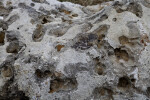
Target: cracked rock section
{"points": [[59, 50]]}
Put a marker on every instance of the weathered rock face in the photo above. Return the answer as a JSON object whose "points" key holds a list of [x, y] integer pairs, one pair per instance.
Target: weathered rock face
{"points": [[51, 50]]}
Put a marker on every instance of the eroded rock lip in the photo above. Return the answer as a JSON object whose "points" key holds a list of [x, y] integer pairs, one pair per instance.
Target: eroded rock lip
{"points": [[74, 49]]}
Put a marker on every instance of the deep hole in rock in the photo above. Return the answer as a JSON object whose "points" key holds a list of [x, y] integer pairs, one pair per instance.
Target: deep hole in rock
{"points": [[39, 73], [133, 80], [47, 73], [2, 37], [124, 82], [44, 21], [148, 90]]}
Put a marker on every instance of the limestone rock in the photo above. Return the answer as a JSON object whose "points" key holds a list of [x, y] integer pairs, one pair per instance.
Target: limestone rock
{"points": [[74, 50]]}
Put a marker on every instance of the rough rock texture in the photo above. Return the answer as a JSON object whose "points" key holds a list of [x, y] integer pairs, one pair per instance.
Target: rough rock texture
{"points": [[51, 50]]}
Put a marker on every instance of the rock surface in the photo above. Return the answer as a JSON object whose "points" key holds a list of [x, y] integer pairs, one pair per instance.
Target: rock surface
{"points": [[51, 50]]}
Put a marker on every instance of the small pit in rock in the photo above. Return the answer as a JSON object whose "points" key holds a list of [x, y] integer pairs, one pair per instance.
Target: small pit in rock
{"points": [[12, 36], [65, 84], [14, 47], [103, 93], [39, 1], [32, 4], [7, 71], [123, 40], [99, 69], [74, 15], [59, 47], [45, 19], [121, 54], [59, 31], [38, 33], [100, 40], [64, 10], [114, 19]]}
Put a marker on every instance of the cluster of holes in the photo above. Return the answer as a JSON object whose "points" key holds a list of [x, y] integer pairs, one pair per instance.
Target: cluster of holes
{"points": [[121, 54], [41, 74], [59, 82], [132, 7], [38, 33]]}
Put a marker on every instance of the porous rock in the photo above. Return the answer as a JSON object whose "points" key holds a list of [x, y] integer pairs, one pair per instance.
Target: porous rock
{"points": [[52, 50]]}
